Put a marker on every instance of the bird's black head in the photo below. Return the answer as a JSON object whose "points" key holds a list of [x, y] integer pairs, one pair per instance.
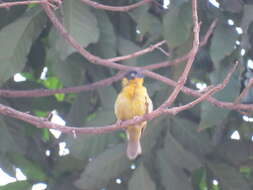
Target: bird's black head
{"points": [[134, 74]]}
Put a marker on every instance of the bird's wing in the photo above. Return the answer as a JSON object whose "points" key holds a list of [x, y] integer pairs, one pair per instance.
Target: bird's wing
{"points": [[122, 107], [149, 104]]}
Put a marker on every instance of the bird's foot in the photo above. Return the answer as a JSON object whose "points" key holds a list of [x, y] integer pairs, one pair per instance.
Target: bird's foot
{"points": [[119, 122]]}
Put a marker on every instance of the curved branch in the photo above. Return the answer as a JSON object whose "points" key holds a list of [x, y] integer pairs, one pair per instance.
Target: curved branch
{"points": [[208, 93], [47, 92], [137, 53], [113, 8], [193, 53], [209, 32], [90, 57], [245, 91], [196, 93], [10, 4], [185, 90], [42, 123], [108, 62], [186, 56]]}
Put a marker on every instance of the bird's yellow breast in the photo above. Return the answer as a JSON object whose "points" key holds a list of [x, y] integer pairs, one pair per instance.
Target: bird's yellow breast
{"points": [[131, 102]]}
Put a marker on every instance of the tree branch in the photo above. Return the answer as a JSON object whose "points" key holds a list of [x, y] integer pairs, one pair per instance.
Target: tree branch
{"points": [[47, 92], [206, 94], [10, 4], [196, 93], [186, 56], [90, 57], [42, 123], [209, 33], [193, 52], [137, 53], [97, 60], [244, 92], [112, 8]]}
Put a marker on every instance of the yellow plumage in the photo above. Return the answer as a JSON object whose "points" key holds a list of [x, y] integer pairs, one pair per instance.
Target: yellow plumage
{"points": [[132, 101]]}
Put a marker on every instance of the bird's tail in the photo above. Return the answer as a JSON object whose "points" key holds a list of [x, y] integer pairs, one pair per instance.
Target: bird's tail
{"points": [[133, 149], [133, 145]]}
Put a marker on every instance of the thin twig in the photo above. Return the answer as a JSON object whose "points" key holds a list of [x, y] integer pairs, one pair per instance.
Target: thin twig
{"points": [[137, 53], [186, 56], [207, 94], [90, 57], [196, 93], [47, 92], [42, 123], [10, 4], [163, 51], [113, 8], [193, 52], [95, 59], [209, 33], [245, 91]]}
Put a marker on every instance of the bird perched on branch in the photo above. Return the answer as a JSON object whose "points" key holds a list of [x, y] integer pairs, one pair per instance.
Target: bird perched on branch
{"points": [[132, 101]]}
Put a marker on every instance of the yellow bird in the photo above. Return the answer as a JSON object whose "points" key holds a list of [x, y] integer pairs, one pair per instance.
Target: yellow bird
{"points": [[132, 101]]}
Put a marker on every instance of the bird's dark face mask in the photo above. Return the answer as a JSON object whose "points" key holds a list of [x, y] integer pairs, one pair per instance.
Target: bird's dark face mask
{"points": [[133, 77], [134, 74]]}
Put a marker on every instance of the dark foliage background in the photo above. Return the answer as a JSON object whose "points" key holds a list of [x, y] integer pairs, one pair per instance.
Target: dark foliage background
{"points": [[187, 151]]}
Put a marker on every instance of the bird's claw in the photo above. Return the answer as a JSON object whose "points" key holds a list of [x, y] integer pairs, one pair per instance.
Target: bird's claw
{"points": [[119, 122]]}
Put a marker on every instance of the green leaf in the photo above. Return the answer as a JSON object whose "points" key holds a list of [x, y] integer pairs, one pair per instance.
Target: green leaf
{"points": [[88, 145], [152, 133], [185, 132], [18, 185], [180, 156], [106, 46], [227, 151], [73, 65], [177, 24], [30, 169], [9, 15], [102, 115], [107, 95], [222, 43], [45, 135], [137, 13], [79, 109], [245, 171], [149, 25], [7, 166], [141, 180], [127, 47], [233, 6], [247, 18], [172, 178], [103, 168], [66, 164], [228, 177], [6, 139], [199, 179], [212, 115], [80, 23], [178, 2], [54, 83], [155, 56], [14, 49]]}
